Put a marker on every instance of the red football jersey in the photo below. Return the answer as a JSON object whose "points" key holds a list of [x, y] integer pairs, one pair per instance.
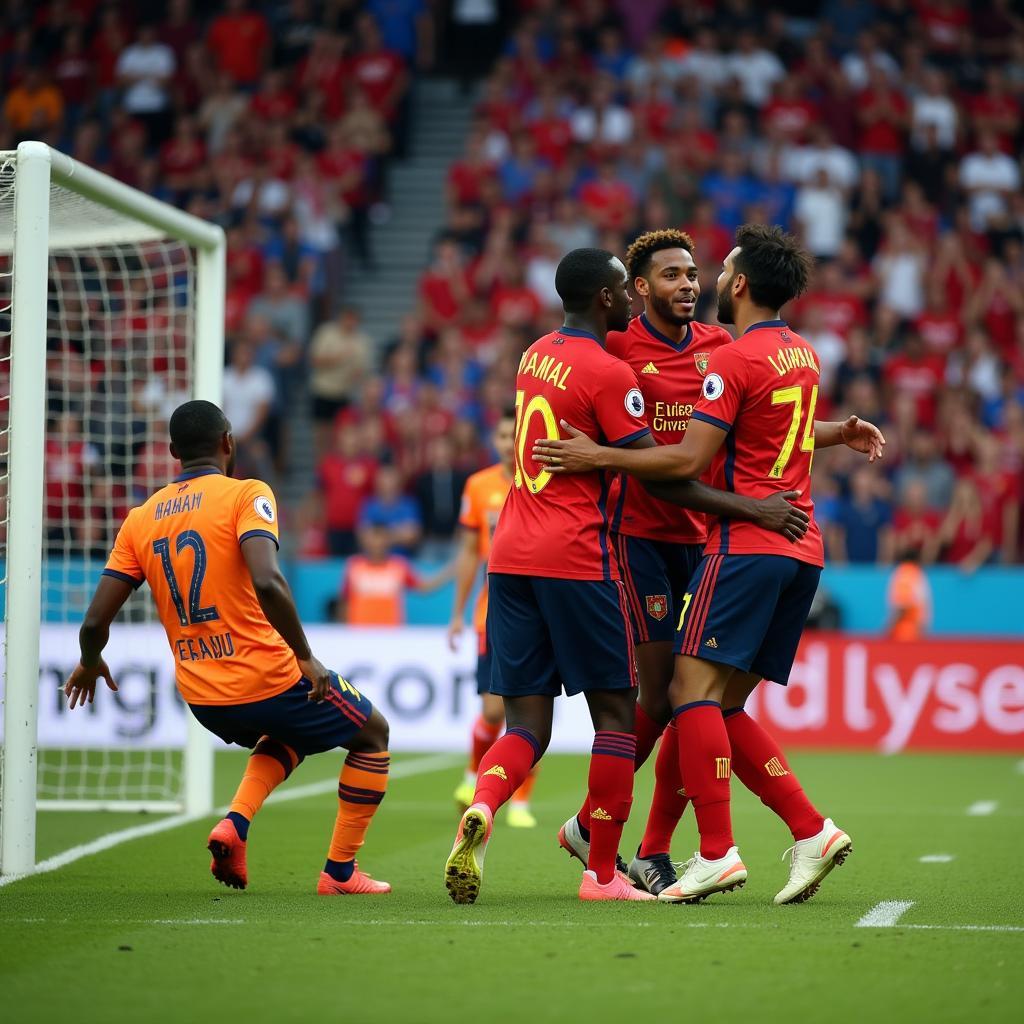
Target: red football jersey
{"points": [[670, 377], [557, 525], [762, 390]]}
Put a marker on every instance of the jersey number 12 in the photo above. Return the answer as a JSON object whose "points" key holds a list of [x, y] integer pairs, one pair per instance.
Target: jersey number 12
{"points": [[194, 613]]}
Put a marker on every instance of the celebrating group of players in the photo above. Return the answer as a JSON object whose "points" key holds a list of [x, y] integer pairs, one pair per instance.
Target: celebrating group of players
{"points": [[604, 578]]}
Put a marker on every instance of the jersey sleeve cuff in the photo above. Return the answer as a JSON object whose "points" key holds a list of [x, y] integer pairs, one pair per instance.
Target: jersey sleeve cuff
{"points": [[123, 577], [630, 438], [713, 420], [249, 534]]}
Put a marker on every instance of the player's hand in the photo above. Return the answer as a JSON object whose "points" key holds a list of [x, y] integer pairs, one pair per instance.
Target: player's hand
{"points": [[455, 628], [576, 454], [319, 676], [778, 515], [863, 437], [80, 689]]}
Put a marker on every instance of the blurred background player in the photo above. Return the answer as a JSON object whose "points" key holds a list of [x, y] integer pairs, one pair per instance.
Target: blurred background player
{"points": [[207, 546], [748, 601], [484, 494], [909, 598]]}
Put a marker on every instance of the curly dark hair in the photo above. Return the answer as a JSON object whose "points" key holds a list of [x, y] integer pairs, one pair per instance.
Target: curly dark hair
{"points": [[639, 254], [775, 264]]}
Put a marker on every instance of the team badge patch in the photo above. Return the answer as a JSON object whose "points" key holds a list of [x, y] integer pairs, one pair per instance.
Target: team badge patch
{"points": [[657, 606], [701, 359], [264, 508]]}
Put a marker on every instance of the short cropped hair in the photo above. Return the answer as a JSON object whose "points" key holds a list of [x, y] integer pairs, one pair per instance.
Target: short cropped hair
{"points": [[196, 429], [774, 263], [641, 252], [580, 275]]}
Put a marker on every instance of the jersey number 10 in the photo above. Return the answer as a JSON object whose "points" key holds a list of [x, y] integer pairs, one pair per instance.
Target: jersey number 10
{"points": [[537, 406], [194, 613]]}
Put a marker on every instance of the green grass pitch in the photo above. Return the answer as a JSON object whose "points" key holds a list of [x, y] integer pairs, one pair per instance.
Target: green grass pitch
{"points": [[142, 931]]}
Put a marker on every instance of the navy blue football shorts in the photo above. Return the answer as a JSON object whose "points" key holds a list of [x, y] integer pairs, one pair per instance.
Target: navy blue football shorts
{"points": [[305, 726], [655, 575], [550, 635], [483, 665], [747, 611]]}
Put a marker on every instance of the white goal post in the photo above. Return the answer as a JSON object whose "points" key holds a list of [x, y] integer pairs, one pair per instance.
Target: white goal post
{"points": [[60, 206]]}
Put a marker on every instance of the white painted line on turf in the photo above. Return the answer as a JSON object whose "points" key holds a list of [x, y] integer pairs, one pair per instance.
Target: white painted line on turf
{"points": [[936, 858], [127, 921], [417, 766], [885, 914], [964, 927], [1020, 767], [982, 808]]}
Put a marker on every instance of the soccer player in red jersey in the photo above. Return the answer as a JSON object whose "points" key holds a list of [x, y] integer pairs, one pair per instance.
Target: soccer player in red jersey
{"points": [[557, 617], [746, 605], [207, 546]]}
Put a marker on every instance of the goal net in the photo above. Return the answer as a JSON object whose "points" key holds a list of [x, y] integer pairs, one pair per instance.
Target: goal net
{"points": [[110, 316]]}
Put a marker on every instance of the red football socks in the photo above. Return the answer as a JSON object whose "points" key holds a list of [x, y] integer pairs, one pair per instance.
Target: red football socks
{"points": [[669, 802], [484, 734], [704, 763], [762, 767], [647, 733], [504, 768], [610, 785]]}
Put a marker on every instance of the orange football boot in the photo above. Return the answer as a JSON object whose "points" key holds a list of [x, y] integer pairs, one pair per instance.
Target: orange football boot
{"points": [[228, 864], [358, 884]]}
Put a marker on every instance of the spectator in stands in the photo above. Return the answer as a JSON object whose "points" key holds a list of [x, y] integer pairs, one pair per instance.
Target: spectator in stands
{"points": [[861, 531], [393, 510], [915, 527], [756, 68], [988, 176], [438, 491], [970, 533], [345, 476], [924, 464], [240, 42], [339, 360], [286, 312], [145, 70], [250, 397], [821, 213], [34, 109]]}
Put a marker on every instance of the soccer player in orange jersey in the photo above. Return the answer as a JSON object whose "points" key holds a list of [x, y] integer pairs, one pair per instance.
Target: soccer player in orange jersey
{"points": [[482, 498], [207, 547]]}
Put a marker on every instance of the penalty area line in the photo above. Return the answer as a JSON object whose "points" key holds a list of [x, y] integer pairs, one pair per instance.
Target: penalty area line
{"points": [[982, 808], [417, 766]]}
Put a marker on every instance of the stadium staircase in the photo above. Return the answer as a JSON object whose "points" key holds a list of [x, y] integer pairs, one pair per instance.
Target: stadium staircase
{"points": [[441, 117]]}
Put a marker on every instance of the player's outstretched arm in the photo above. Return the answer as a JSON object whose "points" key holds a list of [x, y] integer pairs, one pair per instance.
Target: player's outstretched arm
{"points": [[855, 433], [642, 458], [467, 561], [275, 598], [111, 594]]}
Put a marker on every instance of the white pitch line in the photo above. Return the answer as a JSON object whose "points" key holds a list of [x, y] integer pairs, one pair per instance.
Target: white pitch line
{"points": [[964, 927], [128, 921], [885, 914], [936, 858], [1020, 767], [417, 766], [982, 808]]}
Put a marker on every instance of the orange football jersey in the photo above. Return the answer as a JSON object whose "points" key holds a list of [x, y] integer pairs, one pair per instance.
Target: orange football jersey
{"points": [[186, 543], [482, 498]]}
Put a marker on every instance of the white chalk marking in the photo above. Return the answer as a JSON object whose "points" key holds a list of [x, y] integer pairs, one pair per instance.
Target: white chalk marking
{"points": [[936, 858], [982, 808], [885, 914]]}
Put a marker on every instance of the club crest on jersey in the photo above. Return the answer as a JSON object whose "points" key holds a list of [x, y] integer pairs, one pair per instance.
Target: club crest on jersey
{"points": [[635, 402], [701, 359], [657, 606], [264, 508], [714, 387]]}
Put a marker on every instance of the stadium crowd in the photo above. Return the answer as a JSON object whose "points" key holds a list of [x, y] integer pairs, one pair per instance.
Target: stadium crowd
{"points": [[888, 135]]}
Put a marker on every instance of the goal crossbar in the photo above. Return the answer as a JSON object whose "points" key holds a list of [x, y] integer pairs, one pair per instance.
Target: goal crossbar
{"points": [[31, 235]]}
